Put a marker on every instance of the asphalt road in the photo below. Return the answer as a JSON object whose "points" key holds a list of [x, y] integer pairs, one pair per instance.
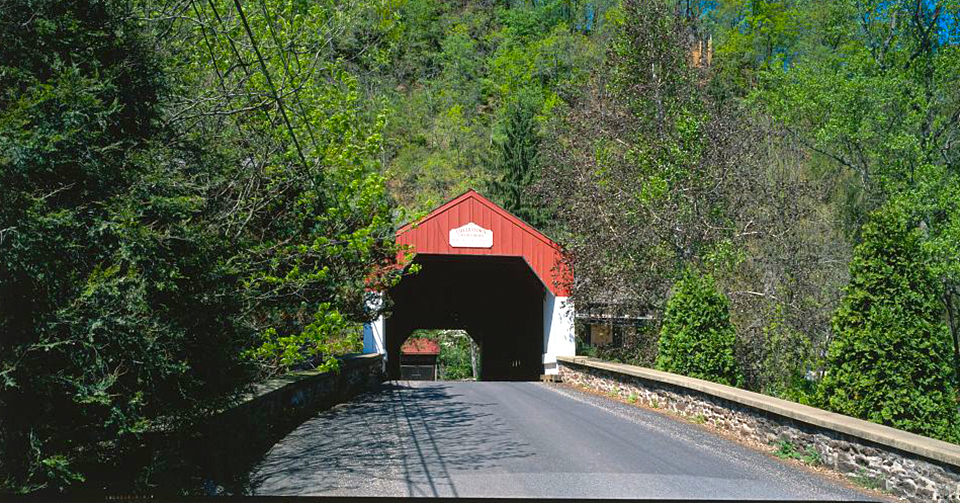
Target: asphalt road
{"points": [[490, 439]]}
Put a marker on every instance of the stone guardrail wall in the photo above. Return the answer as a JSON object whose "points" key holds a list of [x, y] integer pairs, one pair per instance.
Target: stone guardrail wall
{"points": [[911, 466], [223, 448]]}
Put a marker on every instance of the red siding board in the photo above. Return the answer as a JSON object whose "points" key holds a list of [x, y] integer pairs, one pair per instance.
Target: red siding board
{"points": [[511, 236]]}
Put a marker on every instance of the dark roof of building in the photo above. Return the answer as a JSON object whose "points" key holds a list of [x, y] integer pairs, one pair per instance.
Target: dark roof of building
{"points": [[420, 347]]}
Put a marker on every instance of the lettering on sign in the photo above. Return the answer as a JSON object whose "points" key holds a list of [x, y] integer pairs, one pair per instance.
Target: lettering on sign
{"points": [[471, 235]]}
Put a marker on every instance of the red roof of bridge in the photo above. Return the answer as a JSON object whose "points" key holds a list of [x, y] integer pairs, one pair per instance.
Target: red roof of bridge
{"points": [[420, 347], [512, 237]]}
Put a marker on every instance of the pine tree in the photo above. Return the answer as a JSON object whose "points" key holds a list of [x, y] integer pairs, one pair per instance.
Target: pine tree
{"points": [[515, 163], [697, 339], [890, 360]]}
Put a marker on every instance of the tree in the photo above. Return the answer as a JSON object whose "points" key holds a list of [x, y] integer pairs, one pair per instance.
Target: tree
{"points": [[303, 202], [869, 89], [697, 339], [457, 360], [170, 231], [752, 35], [653, 172], [117, 304], [890, 361], [515, 163]]}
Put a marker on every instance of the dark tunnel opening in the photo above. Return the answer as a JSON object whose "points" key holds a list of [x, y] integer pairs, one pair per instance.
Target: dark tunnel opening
{"points": [[497, 300]]}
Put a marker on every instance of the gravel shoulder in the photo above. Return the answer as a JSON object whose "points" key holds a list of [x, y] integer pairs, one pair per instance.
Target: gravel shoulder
{"points": [[769, 451]]}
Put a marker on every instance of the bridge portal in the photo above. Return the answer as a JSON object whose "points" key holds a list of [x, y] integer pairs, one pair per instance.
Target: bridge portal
{"points": [[485, 271]]}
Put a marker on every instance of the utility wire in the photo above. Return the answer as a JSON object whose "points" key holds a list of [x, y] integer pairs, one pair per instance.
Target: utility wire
{"points": [[286, 68], [236, 52], [213, 56], [273, 89], [239, 121]]}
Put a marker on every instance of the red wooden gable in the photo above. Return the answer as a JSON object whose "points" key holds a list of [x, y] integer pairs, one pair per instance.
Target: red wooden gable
{"points": [[512, 237]]}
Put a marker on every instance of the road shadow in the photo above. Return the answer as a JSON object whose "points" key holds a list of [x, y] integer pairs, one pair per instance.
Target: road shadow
{"points": [[406, 437]]}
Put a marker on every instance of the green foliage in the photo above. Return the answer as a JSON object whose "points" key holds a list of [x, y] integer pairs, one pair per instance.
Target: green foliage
{"points": [[180, 217], [696, 338], [515, 162], [890, 361], [448, 72], [631, 344], [810, 455], [158, 225], [864, 479], [787, 360], [653, 172], [314, 239], [115, 304], [868, 88], [320, 341], [458, 353], [753, 36]]}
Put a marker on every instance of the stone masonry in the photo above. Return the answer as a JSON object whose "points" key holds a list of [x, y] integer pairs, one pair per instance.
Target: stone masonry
{"points": [[908, 475], [230, 441]]}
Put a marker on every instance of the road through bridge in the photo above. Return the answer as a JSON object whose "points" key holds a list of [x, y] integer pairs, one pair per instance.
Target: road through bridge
{"points": [[520, 439]]}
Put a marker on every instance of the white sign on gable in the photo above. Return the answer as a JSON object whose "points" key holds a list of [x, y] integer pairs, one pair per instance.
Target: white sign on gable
{"points": [[471, 235]]}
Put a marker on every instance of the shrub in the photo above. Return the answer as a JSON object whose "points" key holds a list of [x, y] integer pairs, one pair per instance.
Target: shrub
{"points": [[697, 338], [890, 360]]}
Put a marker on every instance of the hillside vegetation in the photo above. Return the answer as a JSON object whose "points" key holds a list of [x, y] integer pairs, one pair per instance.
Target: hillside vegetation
{"points": [[198, 194]]}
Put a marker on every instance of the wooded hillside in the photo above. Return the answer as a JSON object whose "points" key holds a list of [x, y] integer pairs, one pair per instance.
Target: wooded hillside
{"points": [[197, 194]]}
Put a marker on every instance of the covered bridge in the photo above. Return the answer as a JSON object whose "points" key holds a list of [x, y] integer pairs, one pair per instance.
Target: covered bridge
{"points": [[489, 273]]}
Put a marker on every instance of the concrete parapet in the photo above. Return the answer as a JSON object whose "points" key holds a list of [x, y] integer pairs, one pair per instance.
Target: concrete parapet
{"points": [[912, 466]]}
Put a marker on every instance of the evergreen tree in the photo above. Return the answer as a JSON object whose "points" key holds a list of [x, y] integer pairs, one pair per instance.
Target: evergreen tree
{"points": [[515, 163], [697, 339], [890, 360]]}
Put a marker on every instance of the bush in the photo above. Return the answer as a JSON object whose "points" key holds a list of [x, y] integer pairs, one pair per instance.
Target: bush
{"points": [[117, 313], [890, 360], [142, 257], [697, 338]]}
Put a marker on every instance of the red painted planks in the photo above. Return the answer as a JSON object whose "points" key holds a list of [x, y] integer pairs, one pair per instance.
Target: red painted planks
{"points": [[511, 236]]}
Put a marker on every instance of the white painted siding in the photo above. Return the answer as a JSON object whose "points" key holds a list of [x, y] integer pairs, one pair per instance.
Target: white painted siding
{"points": [[373, 337], [558, 335]]}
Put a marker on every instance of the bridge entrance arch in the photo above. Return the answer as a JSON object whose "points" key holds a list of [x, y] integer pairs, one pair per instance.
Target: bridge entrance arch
{"points": [[485, 271], [496, 300]]}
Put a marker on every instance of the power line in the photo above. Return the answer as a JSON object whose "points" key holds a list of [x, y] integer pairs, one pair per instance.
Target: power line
{"points": [[213, 57], [236, 52], [273, 89], [286, 68]]}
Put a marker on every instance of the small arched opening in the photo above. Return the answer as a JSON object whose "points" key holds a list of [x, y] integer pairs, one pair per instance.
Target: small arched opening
{"points": [[441, 355]]}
